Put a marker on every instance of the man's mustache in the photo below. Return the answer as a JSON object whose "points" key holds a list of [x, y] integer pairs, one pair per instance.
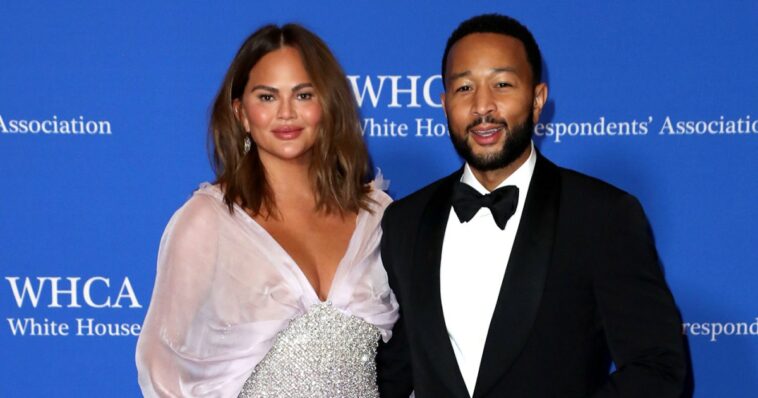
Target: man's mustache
{"points": [[487, 119]]}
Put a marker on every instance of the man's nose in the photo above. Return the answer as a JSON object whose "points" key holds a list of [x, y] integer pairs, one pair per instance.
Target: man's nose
{"points": [[484, 103]]}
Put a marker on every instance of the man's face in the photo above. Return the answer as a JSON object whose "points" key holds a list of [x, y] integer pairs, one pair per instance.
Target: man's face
{"points": [[490, 101]]}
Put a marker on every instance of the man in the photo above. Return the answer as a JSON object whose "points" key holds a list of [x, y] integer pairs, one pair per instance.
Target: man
{"points": [[515, 277]]}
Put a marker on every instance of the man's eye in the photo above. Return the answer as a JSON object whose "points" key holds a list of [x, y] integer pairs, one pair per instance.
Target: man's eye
{"points": [[462, 89], [503, 85]]}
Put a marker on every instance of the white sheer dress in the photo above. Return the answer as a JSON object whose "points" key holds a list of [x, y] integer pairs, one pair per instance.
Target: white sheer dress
{"points": [[231, 309]]}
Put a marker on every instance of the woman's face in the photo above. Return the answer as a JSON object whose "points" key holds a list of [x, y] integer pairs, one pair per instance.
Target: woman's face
{"points": [[280, 108]]}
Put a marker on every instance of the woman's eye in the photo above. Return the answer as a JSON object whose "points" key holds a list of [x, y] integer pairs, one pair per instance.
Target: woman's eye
{"points": [[266, 97], [305, 96]]}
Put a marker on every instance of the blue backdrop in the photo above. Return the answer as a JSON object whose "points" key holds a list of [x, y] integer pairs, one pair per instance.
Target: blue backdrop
{"points": [[104, 110]]}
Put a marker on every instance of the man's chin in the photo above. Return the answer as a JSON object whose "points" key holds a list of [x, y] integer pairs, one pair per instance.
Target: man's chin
{"points": [[482, 162], [483, 158], [484, 151], [492, 159], [486, 154]]}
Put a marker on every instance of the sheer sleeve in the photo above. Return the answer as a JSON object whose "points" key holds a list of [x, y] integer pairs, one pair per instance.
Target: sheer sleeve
{"points": [[174, 357]]}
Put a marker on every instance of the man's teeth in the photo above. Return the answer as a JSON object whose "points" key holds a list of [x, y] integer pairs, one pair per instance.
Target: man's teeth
{"points": [[486, 133]]}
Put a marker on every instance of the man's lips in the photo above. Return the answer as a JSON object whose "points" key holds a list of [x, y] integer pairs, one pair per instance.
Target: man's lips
{"points": [[486, 134]]}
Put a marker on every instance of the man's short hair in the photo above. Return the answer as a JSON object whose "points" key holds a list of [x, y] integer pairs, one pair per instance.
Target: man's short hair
{"points": [[499, 24]]}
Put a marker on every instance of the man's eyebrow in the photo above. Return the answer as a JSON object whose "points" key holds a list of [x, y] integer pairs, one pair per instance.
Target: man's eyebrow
{"points": [[507, 69], [459, 75]]}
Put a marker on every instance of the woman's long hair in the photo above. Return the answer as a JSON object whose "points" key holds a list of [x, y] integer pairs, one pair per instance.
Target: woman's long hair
{"points": [[339, 167]]}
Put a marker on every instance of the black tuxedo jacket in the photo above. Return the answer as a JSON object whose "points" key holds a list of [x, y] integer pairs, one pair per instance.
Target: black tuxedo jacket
{"points": [[583, 287]]}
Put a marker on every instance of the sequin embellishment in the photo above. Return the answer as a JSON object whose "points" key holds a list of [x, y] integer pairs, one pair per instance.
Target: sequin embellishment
{"points": [[323, 353]]}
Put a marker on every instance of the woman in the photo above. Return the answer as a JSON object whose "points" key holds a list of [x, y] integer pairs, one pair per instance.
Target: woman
{"points": [[269, 281]]}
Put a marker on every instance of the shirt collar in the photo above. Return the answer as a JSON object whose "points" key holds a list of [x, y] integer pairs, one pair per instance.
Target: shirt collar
{"points": [[520, 178]]}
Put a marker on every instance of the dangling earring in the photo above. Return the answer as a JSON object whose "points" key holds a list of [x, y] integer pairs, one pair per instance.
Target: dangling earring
{"points": [[248, 145]]}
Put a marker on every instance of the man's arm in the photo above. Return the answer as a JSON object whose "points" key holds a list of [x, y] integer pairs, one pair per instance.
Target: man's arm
{"points": [[394, 374], [641, 321]]}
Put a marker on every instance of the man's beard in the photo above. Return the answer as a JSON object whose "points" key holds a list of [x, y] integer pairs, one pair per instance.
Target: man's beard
{"points": [[517, 139]]}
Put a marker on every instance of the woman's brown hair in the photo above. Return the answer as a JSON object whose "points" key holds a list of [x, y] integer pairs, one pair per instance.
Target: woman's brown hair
{"points": [[340, 163]]}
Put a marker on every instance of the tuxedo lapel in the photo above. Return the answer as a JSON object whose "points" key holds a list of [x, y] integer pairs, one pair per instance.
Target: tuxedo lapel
{"points": [[428, 304], [524, 280]]}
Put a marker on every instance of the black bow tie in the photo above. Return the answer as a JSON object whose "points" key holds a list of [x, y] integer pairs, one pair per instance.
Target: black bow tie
{"points": [[502, 202]]}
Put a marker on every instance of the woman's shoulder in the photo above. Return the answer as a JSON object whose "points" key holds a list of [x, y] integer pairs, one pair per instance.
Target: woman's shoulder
{"points": [[203, 210], [380, 198], [210, 193], [378, 192]]}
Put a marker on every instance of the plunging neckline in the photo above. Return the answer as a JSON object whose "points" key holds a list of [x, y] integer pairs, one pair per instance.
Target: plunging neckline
{"points": [[295, 267]]}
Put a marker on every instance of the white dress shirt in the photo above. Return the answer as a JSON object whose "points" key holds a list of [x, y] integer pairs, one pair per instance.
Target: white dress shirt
{"points": [[474, 257]]}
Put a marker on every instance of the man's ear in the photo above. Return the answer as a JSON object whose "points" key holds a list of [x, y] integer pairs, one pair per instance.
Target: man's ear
{"points": [[540, 98], [442, 101]]}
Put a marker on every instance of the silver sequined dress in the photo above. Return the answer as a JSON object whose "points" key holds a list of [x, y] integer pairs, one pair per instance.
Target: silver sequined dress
{"points": [[322, 354]]}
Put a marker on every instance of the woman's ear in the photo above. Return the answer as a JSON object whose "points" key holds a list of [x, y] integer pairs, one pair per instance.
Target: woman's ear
{"points": [[239, 114]]}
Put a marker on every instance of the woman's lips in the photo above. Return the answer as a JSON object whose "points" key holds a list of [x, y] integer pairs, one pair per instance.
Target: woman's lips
{"points": [[287, 133]]}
